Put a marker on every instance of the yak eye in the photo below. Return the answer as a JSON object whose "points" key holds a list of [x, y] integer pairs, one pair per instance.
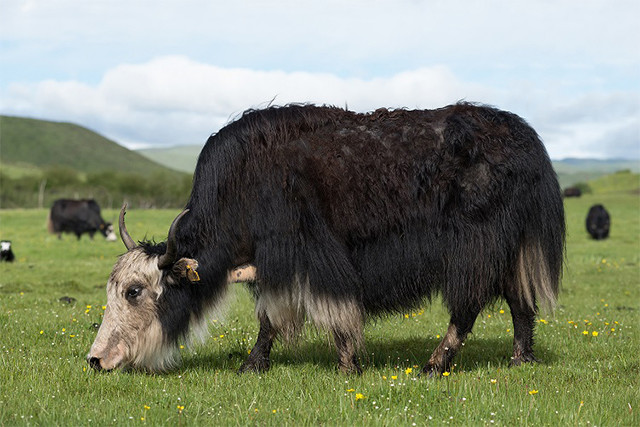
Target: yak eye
{"points": [[134, 292]]}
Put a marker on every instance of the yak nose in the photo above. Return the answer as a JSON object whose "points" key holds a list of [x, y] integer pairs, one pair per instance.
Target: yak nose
{"points": [[94, 362]]}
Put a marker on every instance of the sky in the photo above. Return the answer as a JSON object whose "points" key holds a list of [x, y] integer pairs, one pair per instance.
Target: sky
{"points": [[172, 72]]}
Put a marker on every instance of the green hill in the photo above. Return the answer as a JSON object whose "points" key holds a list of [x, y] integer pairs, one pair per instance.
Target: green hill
{"points": [[619, 182], [43, 144], [182, 158]]}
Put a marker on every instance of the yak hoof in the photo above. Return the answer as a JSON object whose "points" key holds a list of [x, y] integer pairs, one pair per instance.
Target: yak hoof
{"points": [[432, 371], [257, 365], [518, 360], [350, 369]]}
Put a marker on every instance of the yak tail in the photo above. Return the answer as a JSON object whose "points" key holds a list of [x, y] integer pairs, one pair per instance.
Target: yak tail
{"points": [[536, 282]]}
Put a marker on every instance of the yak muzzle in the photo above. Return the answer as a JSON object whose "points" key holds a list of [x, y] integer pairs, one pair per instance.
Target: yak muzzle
{"points": [[94, 362]]}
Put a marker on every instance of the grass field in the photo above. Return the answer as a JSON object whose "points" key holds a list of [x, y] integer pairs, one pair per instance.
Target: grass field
{"points": [[589, 372]]}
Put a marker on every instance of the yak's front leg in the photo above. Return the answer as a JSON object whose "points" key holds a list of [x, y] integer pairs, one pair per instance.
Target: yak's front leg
{"points": [[459, 328], [258, 360]]}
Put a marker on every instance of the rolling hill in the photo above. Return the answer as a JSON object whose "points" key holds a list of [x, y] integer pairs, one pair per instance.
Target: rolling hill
{"points": [[182, 158], [41, 144]]}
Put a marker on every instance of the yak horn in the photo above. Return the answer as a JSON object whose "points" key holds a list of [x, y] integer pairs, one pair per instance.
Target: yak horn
{"points": [[169, 257], [124, 235]]}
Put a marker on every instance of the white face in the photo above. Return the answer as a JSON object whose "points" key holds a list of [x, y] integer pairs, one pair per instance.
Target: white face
{"points": [[5, 246], [131, 333], [111, 235]]}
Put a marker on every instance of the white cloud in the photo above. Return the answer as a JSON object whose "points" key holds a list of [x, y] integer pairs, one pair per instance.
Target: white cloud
{"points": [[174, 100]]}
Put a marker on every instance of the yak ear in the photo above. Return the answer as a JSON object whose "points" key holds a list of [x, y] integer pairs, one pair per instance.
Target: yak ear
{"points": [[186, 267]]}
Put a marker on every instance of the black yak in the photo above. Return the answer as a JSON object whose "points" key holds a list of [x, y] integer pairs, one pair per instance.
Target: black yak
{"points": [[572, 192], [347, 216], [598, 222], [78, 217]]}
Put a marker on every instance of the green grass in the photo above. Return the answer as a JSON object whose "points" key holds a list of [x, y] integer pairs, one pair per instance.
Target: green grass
{"points": [[583, 379]]}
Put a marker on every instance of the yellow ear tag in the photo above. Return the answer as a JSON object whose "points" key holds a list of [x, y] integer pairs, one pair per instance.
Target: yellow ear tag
{"points": [[192, 275]]}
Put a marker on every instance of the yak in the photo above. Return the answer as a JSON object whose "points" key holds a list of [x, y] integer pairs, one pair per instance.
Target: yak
{"points": [[347, 216], [598, 222], [572, 192], [78, 217]]}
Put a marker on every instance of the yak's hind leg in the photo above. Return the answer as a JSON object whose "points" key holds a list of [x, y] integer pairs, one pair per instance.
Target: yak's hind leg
{"points": [[459, 327], [523, 316], [258, 360], [347, 345]]}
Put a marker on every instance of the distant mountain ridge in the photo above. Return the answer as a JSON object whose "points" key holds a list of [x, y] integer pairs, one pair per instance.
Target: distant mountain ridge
{"points": [[42, 144], [182, 158]]}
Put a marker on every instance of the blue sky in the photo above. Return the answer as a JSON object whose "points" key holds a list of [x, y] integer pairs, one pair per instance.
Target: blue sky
{"points": [[149, 73]]}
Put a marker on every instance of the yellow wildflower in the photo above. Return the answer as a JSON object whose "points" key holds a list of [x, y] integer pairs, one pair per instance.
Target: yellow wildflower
{"points": [[394, 377], [493, 381], [408, 371], [351, 390], [585, 332], [501, 311], [594, 333], [446, 374], [532, 392], [359, 396], [147, 407]]}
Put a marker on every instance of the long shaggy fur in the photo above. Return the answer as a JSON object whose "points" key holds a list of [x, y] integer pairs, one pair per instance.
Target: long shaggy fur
{"points": [[377, 211]]}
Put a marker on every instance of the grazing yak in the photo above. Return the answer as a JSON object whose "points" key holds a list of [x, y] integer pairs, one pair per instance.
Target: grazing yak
{"points": [[598, 222], [78, 217], [345, 217], [572, 192]]}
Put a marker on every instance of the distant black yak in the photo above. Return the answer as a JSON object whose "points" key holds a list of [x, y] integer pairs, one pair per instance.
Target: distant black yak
{"points": [[572, 192], [598, 222], [78, 217], [347, 216]]}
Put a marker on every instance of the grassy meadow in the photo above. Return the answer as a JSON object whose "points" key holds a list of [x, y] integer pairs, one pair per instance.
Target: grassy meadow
{"points": [[589, 370]]}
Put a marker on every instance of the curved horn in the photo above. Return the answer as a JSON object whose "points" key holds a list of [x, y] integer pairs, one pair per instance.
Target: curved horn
{"points": [[124, 235], [169, 257]]}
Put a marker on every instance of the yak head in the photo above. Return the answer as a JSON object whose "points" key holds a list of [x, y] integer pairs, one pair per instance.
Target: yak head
{"points": [[106, 228], [147, 306]]}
